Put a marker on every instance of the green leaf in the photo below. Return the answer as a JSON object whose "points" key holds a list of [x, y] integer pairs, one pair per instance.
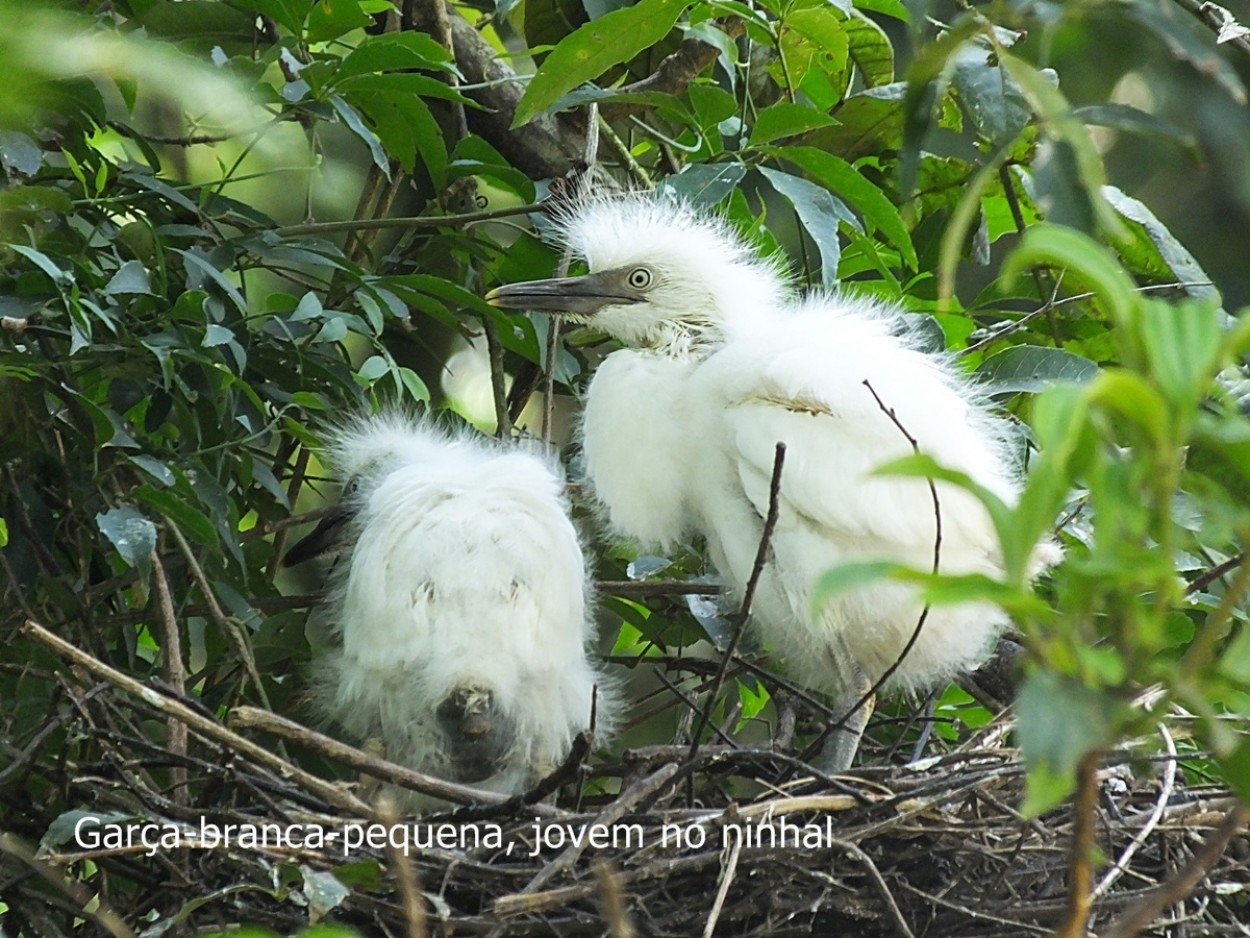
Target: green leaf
{"points": [[989, 94], [592, 49], [352, 119], [1127, 118], [179, 509], [392, 51], [1059, 720], [848, 576], [1236, 766], [1032, 368], [329, 19], [131, 277], [820, 212], [1183, 344], [62, 278], [4, 533], [838, 175], [1064, 248], [870, 49], [131, 533], [1151, 250], [705, 183], [784, 119]]}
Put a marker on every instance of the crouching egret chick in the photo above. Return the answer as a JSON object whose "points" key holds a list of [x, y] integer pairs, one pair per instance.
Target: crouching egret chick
{"points": [[722, 361], [460, 602]]}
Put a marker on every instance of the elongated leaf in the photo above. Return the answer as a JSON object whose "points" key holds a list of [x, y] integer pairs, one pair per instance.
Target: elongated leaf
{"points": [[837, 174], [592, 49], [820, 212], [1033, 368], [1153, 251], [705, 183], [352, 119], [392, 51], [784, 119], [1183, 344]]}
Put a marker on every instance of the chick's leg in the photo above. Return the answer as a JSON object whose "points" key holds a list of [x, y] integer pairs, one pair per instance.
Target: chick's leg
{"points": [[839, 749]]}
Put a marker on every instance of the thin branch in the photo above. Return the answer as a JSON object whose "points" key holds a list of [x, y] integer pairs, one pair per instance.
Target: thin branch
{"points": [[498, 379], [91, 907], [727, 872], [748, 597], [1205, 579], [1161, 803], [1217, 19], [175, 675], [1143, 911], [409, 222], [1080, 887], [332, 794], [871, 693]]}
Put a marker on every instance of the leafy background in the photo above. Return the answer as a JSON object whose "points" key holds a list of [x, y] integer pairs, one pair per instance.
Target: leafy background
{"points": [[224, 222]]}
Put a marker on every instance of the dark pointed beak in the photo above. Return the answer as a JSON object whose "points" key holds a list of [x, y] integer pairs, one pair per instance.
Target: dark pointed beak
{"points": [[579, 295], [325, 537]]}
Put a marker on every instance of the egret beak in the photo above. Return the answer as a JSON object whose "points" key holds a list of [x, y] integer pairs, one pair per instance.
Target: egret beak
{"points": [[322, 539], [581, 296]]}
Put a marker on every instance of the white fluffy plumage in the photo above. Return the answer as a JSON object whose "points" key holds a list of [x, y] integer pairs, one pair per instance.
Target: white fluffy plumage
{"points": [[723, 361], [462, 603]]}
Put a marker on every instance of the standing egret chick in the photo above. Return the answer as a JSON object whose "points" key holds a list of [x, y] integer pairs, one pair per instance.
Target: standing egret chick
{"points": [[460, 602], [722, 361]]}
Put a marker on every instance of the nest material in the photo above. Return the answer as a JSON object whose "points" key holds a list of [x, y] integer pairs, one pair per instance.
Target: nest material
{"points": [[726, 842]]}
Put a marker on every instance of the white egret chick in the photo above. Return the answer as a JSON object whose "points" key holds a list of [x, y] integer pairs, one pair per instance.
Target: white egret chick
{"points": [[461, 603], [721, 362]]}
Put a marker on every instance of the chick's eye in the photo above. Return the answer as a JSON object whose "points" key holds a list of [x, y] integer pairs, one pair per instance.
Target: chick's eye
{"points": [[639, 278]]}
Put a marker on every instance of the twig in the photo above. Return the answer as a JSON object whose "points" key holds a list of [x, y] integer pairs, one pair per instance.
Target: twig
{"points": [[255, 718], [621, 806], [871, 693], [92, 907], [1205, 579], [405, 877], [900, 923], [227, 625], [171, 653], [727, 872], [1215, 18], [1080, 892], [1161, 803], [748, 597], [1144, 910], [330, 793], [438, 9], [498, 391], [410, 222]]}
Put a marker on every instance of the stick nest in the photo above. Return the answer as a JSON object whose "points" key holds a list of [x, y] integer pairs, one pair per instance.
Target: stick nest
{"points": [[729, 841]]}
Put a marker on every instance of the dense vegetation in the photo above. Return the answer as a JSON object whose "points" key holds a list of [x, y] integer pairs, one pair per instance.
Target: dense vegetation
{"points": [[223, 222]]}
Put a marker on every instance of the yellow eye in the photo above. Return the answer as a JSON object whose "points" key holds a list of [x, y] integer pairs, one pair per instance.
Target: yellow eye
{"points": [[639, 278]]}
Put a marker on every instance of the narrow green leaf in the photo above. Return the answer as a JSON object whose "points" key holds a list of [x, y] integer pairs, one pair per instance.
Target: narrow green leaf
{"points": [[838, 175], [592, 49], [1151, 250], [391, 51], [820, 212], [352, 119], [705, 183], [1183, 344], [849, 576], [62, 278]]}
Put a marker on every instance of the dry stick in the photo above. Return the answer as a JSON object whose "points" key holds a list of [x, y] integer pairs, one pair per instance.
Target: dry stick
{"points": [[814, 748], [726, 878], [1161, 803], [1143, 911], [498, 391], [443, 26], [621, 806], [171, 648], [330, 793], [900, 923], [1080, 891], [255, 718], [405, 877], [748, 597], [1203, 580], [227, 626], [91, 907]]}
